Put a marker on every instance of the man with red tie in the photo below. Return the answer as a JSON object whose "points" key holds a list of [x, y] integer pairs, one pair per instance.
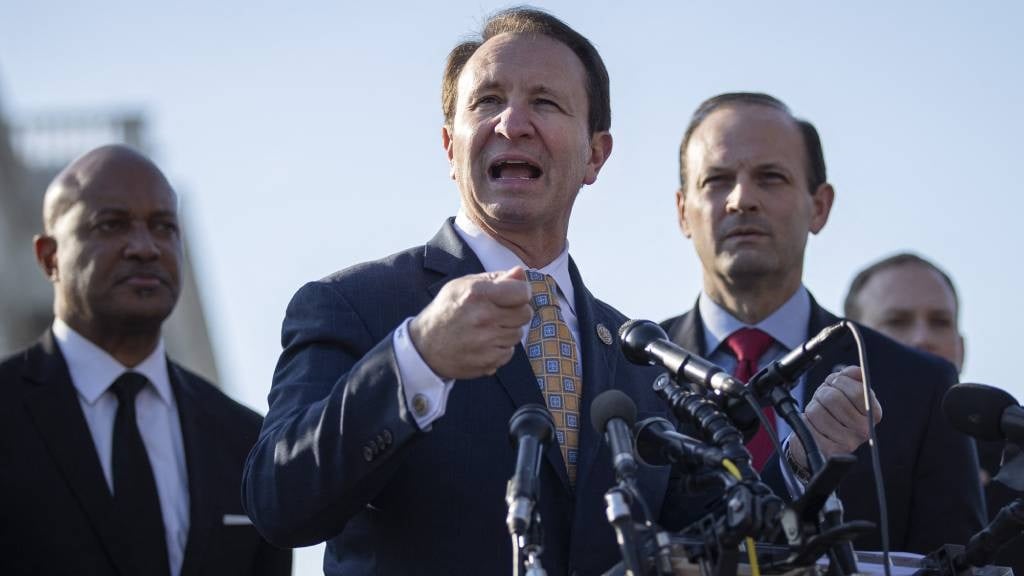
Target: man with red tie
{"points": [[752, 187]]}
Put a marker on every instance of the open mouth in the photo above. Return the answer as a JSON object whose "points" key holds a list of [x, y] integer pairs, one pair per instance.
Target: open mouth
{"points": [[514, 170]]}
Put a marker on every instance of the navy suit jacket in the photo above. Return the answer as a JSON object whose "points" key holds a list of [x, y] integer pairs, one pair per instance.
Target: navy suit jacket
{"points": [[933, 496], [57, 515], [341, 459]]}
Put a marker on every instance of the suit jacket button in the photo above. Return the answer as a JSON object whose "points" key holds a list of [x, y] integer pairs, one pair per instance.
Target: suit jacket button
{"points": [[388, 438], [420, 405], [368, 453]]}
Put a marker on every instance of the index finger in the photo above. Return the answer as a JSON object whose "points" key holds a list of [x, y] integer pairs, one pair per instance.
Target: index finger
{"points": [[851, 388]]}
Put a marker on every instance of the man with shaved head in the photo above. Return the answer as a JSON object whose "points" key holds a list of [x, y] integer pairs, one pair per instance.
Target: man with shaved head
{"points": [[114, 460]]}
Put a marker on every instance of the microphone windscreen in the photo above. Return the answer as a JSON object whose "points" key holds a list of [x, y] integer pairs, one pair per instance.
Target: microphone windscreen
{"points": [[612, 404], [531, 419], [977, 409], [635, 335]]}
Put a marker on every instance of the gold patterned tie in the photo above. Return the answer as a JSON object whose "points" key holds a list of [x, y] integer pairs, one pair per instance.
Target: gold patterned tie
{"points": [[552, 351]]}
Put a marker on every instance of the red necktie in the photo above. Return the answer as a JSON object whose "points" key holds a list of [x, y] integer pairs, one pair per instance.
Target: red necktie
{"points": [[748, 344]]}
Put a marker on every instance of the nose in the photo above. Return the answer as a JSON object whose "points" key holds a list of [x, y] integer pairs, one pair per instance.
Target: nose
{"points": [[920, 337], [743, 197], [514, 122], [140, 244]]}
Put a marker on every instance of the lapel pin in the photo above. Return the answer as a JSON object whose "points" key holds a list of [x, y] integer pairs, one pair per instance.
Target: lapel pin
{"points": [[604, 334]]}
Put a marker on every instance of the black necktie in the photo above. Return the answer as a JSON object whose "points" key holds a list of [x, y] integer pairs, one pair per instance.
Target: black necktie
{"points": [[135, 492]]}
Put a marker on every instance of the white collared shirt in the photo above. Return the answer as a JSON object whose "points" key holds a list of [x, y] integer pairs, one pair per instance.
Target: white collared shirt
{"points": [[92, 371], [422, 387]]}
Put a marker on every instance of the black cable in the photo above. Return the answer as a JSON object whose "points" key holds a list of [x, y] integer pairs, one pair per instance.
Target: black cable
{"points": [[751, 399], [876, 464]]}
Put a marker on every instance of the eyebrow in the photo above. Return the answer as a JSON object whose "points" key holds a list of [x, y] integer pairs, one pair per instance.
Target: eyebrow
{"points": [[125, 212]]}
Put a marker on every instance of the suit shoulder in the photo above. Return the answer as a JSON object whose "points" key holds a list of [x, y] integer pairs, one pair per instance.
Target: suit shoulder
{"points": [[925, 368], [216, 401], [13, 366], [395, 265], [367, 280], [12, 363], [668, 323]]}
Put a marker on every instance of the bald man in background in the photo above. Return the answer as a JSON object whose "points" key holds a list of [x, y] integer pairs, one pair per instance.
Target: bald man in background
{"points": [[913, 301], [113, 459]]}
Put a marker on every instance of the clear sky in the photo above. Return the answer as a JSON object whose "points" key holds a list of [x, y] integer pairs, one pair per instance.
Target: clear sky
{"points": [[305, 137]]}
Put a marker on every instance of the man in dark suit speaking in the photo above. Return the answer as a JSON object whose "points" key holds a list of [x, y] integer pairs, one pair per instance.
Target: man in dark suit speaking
{"points": [[113, 460], [387, 434], [753, 187]]}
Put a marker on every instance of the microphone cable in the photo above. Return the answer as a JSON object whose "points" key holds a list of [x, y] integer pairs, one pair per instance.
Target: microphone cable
{"points": [[876, 464], [773, 436]]}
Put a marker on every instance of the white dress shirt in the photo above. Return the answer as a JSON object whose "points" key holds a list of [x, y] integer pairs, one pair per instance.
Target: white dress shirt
{"points": [[93, 370], [426, 393]]}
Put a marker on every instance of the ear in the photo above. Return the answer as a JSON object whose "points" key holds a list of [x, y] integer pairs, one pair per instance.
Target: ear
{"points": [[961, 352], [446, 141], [600, 150], [821, 206], [681, 212], [46, 255]]}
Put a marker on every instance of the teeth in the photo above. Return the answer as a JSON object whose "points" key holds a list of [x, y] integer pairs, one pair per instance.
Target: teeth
{"points": [[497, 170]]}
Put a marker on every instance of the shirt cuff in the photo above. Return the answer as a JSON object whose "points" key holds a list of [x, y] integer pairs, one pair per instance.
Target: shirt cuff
{"points": [[426, 393]]}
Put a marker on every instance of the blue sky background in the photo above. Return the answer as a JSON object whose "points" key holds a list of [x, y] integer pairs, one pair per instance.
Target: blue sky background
{"points": [[305, 137]]}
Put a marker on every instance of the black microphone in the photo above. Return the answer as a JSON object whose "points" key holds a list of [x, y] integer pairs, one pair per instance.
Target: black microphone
{"points": [[644, 342], [982, 548], [658, 444], [613, 414], [984, 412], [786, 370], [530, 429]]}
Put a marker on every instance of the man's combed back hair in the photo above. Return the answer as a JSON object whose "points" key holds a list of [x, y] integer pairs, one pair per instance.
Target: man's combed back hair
{"points": [[851, 306], [527, 20], [816, 174]]}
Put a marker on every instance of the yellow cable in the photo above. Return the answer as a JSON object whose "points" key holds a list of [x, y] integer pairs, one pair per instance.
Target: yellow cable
{"points": [[755, 569], [728, 465]]}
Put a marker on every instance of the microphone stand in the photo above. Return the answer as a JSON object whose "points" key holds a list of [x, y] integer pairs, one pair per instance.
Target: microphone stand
{"points": [[844, 559], [617, 501]]}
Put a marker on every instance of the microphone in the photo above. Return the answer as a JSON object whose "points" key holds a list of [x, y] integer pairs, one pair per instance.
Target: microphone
{"points": [[984, 412], [983, 546], [612, 414], [530, 429], [644, 342], [786, 370], [658, 444]]}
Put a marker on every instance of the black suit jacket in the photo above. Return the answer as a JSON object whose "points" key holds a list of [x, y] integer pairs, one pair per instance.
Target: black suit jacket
{"points": [[341, 459], [930, 473], [56, 511]]}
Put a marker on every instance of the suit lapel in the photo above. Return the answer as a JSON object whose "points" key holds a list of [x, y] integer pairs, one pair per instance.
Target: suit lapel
{"points": [[200, 443], [53, 406]]}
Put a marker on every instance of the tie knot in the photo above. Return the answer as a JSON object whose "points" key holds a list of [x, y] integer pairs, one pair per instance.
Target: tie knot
{"points": [[127, 386], [748, 344], [543, 289]]}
